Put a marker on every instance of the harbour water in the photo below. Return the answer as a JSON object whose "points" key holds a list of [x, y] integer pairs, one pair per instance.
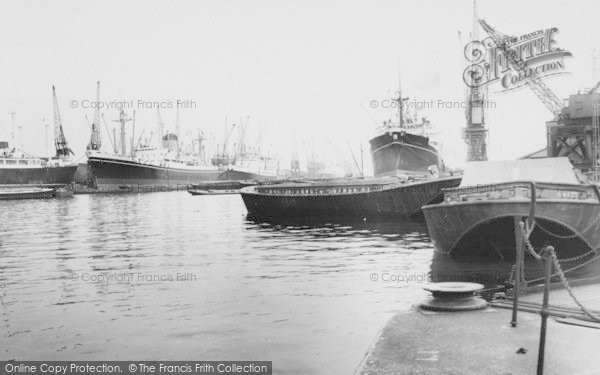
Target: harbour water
{"points": [[169, 276]]}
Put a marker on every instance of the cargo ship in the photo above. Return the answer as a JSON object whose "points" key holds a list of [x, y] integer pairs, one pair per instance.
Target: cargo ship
{"points": [[165, 166], [252, 171], [19, 168], [240, 162], [404, 145], [245, 166], [125, 171]]}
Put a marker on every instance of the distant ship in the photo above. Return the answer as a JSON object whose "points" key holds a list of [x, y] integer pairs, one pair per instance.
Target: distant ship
{"points": [[19, 168], [16, 168], [405, 146], [246, 167], [243, 163], [164, 172], [166, 166]]}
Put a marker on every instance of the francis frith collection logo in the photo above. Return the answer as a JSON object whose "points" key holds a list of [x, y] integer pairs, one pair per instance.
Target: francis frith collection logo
{"points": [[512, 60]]}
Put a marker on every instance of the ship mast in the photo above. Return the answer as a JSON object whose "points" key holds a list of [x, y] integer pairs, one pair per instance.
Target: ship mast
{"points": [[132, 150], [95, 138], [60, 142], [400, 102], [595, 127], [201, 153], [12, 129], [177, 130], [45, 125], [123, 120], [160, 129], [295, 163]]}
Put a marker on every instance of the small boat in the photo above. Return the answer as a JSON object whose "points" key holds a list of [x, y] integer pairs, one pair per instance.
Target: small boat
{"points": [[212, 191], [362, 199], [481, 217], [219, 187], [27, 193]]}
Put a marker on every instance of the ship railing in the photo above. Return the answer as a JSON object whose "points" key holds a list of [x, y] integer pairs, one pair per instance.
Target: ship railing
{"points": [[20, 161], [318, 190], [517, 190]]}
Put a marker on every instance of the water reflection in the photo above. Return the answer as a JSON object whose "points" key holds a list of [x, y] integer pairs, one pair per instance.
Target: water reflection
{"points": [[308, 296]]}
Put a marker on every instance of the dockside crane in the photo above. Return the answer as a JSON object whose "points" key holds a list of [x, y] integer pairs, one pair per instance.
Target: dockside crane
{"points": [[533, 81], [573, 132], [60, 142], [475, 133]]}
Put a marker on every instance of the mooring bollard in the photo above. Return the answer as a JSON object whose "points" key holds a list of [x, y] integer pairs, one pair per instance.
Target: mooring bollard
{"points": [[453, 296], [544, 312]]}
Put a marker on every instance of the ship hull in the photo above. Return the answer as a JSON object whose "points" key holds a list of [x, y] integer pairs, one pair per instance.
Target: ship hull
{"points": [[400, 152], [389, 201], [487, 228], [31, 193], [123, 172], [61, 175]]}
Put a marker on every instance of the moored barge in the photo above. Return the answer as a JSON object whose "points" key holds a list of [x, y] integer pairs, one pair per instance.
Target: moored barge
{"points": [[481, 217], [27, 193], [359, 199]]}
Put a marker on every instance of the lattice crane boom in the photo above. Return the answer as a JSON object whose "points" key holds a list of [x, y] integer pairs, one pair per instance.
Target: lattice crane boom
{"points": [[60, 142], [539, 88], [593, 89]]}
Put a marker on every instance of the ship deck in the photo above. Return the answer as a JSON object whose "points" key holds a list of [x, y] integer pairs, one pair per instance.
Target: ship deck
{"points": [[340, 186]]}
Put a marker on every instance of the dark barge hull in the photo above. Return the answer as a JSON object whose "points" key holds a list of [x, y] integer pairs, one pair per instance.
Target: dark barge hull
{"points": [[473, 228], [62, 175], [397, 152], [35, 193], [397, 200], [121, 172]]}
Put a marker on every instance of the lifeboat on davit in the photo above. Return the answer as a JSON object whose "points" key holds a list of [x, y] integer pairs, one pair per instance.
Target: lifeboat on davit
{"points": [[481, 217]]}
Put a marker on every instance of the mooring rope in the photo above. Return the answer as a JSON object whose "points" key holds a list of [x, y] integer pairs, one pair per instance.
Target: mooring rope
{"points": [[565, 283], [526, 232], [574, 235]]}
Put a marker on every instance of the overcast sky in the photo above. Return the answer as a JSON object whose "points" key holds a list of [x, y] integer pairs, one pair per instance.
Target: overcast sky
{"points": [[308, 68]]}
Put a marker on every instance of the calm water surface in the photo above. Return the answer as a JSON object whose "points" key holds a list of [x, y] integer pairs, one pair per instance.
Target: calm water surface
{"points": [[96, 277]]}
